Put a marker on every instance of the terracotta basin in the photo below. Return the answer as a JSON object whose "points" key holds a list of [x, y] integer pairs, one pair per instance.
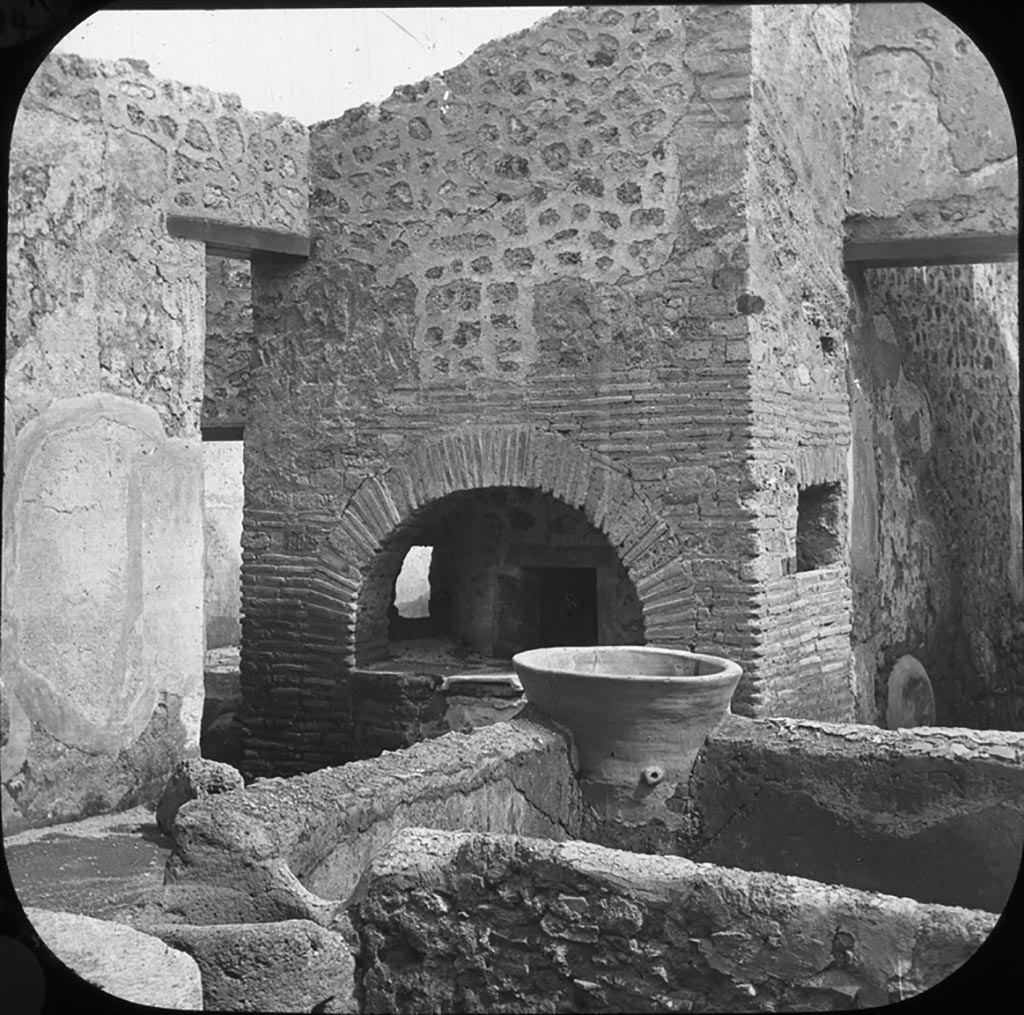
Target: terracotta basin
{"points": [[638, 715]]}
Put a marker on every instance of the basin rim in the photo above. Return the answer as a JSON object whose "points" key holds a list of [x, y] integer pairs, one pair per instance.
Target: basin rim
{"points": [[532, 663]]}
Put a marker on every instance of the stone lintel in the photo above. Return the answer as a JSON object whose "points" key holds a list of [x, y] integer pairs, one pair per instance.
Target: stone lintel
{"points": [[227, 240], [224, 432], [926, 250]]}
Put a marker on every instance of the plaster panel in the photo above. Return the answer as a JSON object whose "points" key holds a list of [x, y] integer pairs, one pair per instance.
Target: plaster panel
{"points": [[222, 527], [101, 547], [934, 382], [934, 151]]}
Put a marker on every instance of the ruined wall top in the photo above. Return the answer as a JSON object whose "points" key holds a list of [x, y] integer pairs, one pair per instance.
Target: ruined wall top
{"points": [[219, 160], [100, 295]]}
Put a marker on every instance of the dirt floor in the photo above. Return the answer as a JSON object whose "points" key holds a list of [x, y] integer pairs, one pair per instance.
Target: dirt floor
{"points": [[110, 867]]}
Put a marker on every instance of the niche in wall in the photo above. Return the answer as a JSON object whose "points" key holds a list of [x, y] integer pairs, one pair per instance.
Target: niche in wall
{"points": [[818, 541]]}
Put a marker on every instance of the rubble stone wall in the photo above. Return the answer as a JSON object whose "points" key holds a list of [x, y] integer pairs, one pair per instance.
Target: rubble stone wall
{"points": [[936, 553], [465, 922], [229, 341]]}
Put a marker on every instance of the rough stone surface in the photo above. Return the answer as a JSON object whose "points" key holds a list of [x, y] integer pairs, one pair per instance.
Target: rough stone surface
{"points": [[99, 297], [284, 966], [229, 348], [936, 559], [470, 705], [194, 779], [930, 813], [124, 962], [465, 922], [63, 783], [96, 496], [295, 848], [934, 151], [911, 701]]}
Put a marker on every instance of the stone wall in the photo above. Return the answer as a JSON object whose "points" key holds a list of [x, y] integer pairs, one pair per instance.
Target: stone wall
{"points": [[279, 966], [229, 343], [103, 628], [285, 849], [796, 305], [803, 881], [464, 922], [515, 281], [933, 814], [228, 361], [847, 804], [934, 150], [936, 553]]}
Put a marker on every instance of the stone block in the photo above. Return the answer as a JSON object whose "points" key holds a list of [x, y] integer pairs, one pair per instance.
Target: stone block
{"points": [[239, 856], [911, 701], [194, 779], [130, 965], [282, 966], [933, 814]]}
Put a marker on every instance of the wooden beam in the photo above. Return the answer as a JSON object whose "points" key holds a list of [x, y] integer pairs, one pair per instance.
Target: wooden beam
{"points": [[237, 241], [905, 253]]}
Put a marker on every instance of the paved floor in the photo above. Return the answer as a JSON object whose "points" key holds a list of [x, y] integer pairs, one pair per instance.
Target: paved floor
{"points": [[109, 867]]}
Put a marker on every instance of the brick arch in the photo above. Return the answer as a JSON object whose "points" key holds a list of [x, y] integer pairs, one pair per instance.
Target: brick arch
{"points": [[475, 458]]}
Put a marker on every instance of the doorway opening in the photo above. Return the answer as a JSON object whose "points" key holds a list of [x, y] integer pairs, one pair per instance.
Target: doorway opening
{"points": [[567, 606]]}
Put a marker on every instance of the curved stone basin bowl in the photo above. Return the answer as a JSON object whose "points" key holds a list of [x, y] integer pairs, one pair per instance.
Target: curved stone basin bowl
{"points": [[638, 715]]}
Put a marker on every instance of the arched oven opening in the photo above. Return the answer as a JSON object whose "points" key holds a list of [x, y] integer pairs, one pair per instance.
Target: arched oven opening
{"points": [[479, 575]]}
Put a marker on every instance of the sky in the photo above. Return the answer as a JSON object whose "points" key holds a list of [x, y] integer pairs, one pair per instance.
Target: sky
{"points": [[311, 64]]}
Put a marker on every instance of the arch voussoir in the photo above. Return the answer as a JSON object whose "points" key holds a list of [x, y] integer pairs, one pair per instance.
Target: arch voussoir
{"points": [[375, 508]]}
